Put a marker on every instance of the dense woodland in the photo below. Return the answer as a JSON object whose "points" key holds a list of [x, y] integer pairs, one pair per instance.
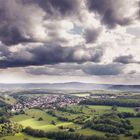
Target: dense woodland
{"points": [[112, 102]]}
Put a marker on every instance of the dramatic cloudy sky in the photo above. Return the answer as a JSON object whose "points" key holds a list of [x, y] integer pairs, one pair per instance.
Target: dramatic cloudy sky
{"points": [[70, 40]]}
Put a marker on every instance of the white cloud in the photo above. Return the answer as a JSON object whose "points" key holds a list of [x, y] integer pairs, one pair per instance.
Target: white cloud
{"points": [[73, 34]]}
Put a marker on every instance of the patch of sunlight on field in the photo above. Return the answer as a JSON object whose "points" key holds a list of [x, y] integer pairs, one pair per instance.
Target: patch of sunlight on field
{"points": [[32, 122], [18, 118], [38, 113], [55, 127], [31, 119], [81, 95]]}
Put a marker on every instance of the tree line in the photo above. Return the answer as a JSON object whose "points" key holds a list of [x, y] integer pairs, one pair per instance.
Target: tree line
{"points": [[112, 102], [63, 135]]}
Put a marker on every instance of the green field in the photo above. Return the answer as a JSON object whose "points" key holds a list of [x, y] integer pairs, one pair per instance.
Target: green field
{"points": [[89, 132], [8, 99], [31, 119], [136, 124], [31, 116], [21, 136], [120, 109], [81, 94], [88, 109]]}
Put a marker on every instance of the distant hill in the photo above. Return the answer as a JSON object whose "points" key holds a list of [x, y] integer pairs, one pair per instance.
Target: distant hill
{"points": [[70, 86], [126, 87]]}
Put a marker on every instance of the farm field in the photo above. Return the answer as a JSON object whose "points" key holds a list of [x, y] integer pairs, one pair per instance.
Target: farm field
{"points": [[8, 99], [136, 124], [86, 120], [31, 119], [31, 116], [88, 109], [81, 95]]}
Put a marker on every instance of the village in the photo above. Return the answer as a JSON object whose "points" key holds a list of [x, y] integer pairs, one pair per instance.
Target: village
{"points": [[50, 101]]}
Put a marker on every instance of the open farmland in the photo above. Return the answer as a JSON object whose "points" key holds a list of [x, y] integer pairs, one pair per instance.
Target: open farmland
{"points": [[63, 114]]}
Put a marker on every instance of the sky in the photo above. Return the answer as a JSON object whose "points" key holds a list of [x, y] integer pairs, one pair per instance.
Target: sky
{"points": [[57, 41]]}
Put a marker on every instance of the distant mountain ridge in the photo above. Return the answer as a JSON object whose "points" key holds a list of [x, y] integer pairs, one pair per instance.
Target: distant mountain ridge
{"points": [[70, 86]]}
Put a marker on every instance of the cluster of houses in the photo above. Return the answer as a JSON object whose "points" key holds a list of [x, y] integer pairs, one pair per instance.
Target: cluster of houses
{"points": [[46, 101]]}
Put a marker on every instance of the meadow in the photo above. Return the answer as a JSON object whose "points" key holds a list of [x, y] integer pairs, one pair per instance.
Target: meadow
{"points": [[70, 118], [31, 118]]}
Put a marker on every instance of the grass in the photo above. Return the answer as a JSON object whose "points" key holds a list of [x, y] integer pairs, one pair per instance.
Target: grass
{"points": [[120, 109], [136, 123], [70, 116], [95, 109], [27, 120], [21, 136], [81, 94], [126, 109], [8, 99], [90, 132], [31, 119]]}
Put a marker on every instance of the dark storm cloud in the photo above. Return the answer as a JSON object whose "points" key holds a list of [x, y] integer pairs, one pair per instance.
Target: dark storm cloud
{"points": [[58, 69], [16, 21], [12, 36], [108, 69], [45, 71], [57, 7], [3, 50], [51, 54], [109, 12], [91, 35], [13, 59], [8, 33], [18, 18], [78, 69], [22, 20], [125, 59]]}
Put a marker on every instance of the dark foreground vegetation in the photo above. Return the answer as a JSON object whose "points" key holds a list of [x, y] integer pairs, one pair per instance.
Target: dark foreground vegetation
{"points": [[10, 128], [62, 135]]}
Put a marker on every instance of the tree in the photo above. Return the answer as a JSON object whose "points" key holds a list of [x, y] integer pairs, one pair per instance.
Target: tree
{"points": [[135, 136], [71, 130], [114, 108], [40, 119], [53, 122], [139, 133], [26, 139]]}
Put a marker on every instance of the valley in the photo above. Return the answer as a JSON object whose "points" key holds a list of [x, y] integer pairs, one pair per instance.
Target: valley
{"points": [[93, 115]]}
